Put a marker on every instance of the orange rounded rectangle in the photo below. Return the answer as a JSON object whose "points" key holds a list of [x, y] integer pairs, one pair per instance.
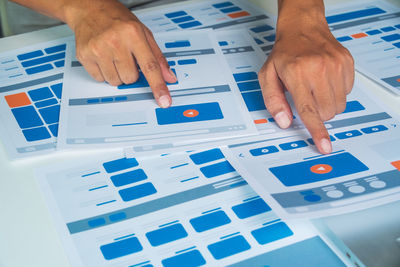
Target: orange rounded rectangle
{"points": [[17, 100], [396, 164], [260, 121], [239, 14], [359, 35]]}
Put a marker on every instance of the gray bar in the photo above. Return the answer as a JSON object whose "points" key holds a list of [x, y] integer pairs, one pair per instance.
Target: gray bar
{"points": [[236, 22], [359, 120], [158, 204], [208, 51], [29, 149], [363, 21], [76, 64], [393, 81], [237, 50], [147, 96], [31, 83], [267, 48]]}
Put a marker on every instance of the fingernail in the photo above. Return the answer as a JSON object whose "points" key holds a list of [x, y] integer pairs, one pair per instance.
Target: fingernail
{"points": [[282, 119], [172, 74], [326, 146], [164, 101]]}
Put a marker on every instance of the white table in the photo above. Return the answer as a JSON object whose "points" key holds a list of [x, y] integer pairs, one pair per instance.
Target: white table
{"points": [[28, 236]]}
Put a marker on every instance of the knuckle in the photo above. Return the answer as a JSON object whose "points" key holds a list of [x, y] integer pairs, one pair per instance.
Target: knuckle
{"points": [[306, 109], [151, 66]]}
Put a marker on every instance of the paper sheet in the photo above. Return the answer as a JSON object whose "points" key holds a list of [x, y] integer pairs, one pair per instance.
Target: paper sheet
{"points": [[30, 93], [187, 209], [363, 171]]}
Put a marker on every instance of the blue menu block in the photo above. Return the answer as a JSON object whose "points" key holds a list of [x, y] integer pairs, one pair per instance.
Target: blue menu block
{"points": [[374, 129], [27, 117], [30, 55], [166, 234], [254, 100], [189, 24], [228, 247], [46, 103], [293, 145], [262, 28], [36, 134], [251, 208], [348, 134], [175, 14], [57, 89], [55, 49], [121, 248], [40, 94], [54, 129], [270, 38], [388, 29], [247, 86], [263, 150], [352, 106], [183, 19], [96, 222], [222, 5], [50, 114], [191, 258], [138, 191], [217, 169], [141, 82], [209, 221], [128, 177], [117, 216], [271, 233], [178, 44], [230, 9], [245, 76], [42, 60], [302, 172], [223, 43], [189, 113], [38, 69], [373, 32], [391, 38], [187, 61], [120, 164], [355, 15], [207, 156], [344, 38], [59, 64]]}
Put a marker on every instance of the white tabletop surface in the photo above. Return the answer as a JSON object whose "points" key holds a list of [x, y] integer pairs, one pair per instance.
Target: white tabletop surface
{"points": [[28, 236]]}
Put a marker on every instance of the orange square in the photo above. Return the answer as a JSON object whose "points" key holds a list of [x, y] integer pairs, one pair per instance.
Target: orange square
{"points": [[398, 80], [260, 121], [17, 100], [359, 35], [239, 14], [396, 164]]}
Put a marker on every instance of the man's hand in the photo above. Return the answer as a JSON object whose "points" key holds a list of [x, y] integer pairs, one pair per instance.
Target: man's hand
{"points": [[111, 42], [312, 65]]}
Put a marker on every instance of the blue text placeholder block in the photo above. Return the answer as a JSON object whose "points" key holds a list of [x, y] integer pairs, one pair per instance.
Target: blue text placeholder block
{"points": [[262, 28], [128, 177], [138, 191], [391, 38], [230, 9], [352, 106], [222, 5], [293, 145], [263, 150], [207, 156], [166, 234], [178, 44], [40, 94], [354, 15], [191, 258], [254, 100], [228, 247], [54, 129], [189, 113], [57, 89], [175, 14], [121, 248], [189, 24], [210, 221], [348, 134], [271, 233], [300, 173], [120, 164], [182, 19], [50, 114], [36, 134], [27, 117], [245, 76], [55, 49], [217, 169], [374, 129], [42, 60], [38, 69], [30, 55], [248, 86], [251, 208]]}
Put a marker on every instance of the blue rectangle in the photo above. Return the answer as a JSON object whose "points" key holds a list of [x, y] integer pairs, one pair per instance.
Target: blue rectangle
{"points": [[128, 177], [263, 150], [228, 247], [391, 38], [258, 41], [183, 19], [60, 63], [270, 38], [121, 248], [36, 134], [301, 173], [222, 5], [140, 82], [374, 129], [187, 61], [262, 28], [353, 106], [27, 117], [210, 221], [189, 24], [254, 100], [120, 164], [223, 43], [30, 55], [397, 26], [38, 69], [96, 222], [293, 145], [388, 29], [251, 208], [217, 169], [230, 9], [189, 113], [178, 44], [344, 38], [54, 129], [50, 114], [271, 233], [397, 45], [175, 14], [55, 49], [191, 258], [248, 86], [40, 94], [311, 141], [46, 103], [117, 216], [348, 134], [373, 32], [166, 234], [245, 76], [42, 60], [138, 191], [354, 15], [207, 156], [57, 89]]}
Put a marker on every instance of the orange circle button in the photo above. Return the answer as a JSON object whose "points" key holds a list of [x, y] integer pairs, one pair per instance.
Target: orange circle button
{"points": [[321, 168], [190, 113]]}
